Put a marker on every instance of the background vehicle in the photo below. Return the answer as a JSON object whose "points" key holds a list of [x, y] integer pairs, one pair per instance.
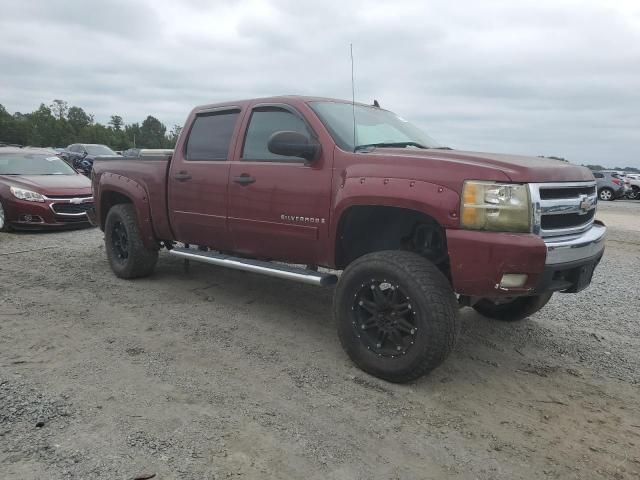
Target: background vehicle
{"points": [[610, 187], [634, 183], [39, 190], [147, 152], [417, 229], [81, 155]]}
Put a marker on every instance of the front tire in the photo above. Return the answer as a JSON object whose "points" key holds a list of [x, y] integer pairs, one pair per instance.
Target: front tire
{"points": [[127, 255], [397, 315], [606, 194], [514, 310], [4, 222], [634, 194]]}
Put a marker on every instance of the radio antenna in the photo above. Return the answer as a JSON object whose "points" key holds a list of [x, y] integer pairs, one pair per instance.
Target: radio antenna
{"points": [[353, 99]]}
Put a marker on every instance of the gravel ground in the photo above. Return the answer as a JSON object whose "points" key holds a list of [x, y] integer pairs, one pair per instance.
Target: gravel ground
{"points": [[217, 374]]}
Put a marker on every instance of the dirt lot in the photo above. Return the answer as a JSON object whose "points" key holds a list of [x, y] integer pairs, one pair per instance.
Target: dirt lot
{"points": [[222, 374]]}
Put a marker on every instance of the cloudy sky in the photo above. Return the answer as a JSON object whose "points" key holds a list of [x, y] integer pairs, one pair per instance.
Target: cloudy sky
{"points": [[539, 77]]}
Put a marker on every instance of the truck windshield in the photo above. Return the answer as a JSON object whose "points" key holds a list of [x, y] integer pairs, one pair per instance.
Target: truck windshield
{"points": [[375, 127], [15, 164]]}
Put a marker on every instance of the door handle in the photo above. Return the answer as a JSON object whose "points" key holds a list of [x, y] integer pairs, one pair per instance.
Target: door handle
{"points": [[182, 176], [244, 179]]}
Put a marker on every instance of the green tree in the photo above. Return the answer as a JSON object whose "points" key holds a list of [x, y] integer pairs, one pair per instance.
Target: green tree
{"points": [[152, 133], [59, 108], [116, 122], [173, 136], [79, 119]]}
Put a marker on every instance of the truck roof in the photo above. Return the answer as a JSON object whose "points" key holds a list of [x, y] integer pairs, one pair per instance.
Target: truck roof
{"points": [[276, 99]]}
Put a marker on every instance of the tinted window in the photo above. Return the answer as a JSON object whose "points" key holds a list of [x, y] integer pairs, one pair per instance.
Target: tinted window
{"points": [[598, 175], [210, 136], [264, 123]]}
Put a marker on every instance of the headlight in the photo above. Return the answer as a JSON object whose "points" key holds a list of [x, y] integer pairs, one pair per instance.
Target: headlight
{"points": [[27, 195], [495, 206]]}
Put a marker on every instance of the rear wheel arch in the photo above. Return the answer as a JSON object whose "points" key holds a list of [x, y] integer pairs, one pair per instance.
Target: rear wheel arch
{"points": [[112, 193], [108, 199]]}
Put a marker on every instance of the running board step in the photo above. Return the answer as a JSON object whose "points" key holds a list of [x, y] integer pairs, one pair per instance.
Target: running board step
{"points": [[257, 266]]}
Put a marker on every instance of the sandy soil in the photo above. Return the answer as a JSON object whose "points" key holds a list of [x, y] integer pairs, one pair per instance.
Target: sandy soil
{"points": [[221, 374]]}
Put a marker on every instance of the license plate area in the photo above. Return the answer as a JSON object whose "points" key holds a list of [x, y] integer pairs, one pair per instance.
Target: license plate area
{"points": [[579, 277]]}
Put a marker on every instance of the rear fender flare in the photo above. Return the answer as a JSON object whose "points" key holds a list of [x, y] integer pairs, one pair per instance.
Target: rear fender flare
{"points": [[137, 194]]}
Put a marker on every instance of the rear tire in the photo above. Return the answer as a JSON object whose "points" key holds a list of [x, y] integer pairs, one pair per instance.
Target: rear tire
{"points": [[4, 222], [127, 255], [397, 315], [606, 194], [513, 311]]}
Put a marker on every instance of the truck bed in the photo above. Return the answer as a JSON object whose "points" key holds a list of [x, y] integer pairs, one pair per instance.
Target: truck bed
{"points": [[151, 175]]}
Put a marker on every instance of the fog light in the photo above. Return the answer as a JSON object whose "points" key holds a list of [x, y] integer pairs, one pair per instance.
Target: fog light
{"points": [[31, 218], [513, 280]]}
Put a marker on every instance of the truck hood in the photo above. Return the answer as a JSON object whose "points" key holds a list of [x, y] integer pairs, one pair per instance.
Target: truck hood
{"points": [[516, 168], [51, 185]]}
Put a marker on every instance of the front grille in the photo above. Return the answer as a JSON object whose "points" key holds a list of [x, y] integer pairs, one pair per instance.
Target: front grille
{"points": [[71, 208], [81, 219], [568, 220], [563, 208], [67, 197], [547, 193]]}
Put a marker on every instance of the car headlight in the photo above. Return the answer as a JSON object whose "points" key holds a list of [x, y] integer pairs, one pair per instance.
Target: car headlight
{"points": [[499, 207], [27, 195]]}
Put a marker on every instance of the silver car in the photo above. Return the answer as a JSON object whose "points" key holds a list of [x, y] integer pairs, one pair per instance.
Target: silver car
{"points": [[610, 186]]}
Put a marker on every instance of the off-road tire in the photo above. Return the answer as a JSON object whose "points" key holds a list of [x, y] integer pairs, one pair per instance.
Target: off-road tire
{"points": [[434, 307], [518, 309], [140, 260], [5, 225]]}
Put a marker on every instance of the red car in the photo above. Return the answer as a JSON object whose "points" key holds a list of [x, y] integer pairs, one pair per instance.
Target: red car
{"points": [[39, 190]]}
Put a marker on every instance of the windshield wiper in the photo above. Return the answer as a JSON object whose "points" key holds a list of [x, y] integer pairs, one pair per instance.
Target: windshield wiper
{"points": [[442, 148], [389, 145]]}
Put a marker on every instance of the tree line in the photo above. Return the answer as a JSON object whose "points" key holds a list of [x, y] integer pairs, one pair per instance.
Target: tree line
{"points": [[59, 125]]}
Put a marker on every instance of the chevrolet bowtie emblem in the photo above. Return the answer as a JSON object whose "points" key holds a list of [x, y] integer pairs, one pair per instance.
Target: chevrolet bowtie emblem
{"points": [[585, 204]]}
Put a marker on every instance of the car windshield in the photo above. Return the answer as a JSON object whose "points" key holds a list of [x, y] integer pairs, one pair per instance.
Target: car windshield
{"points": [[99, 150], [375, 127], [30, 164]]}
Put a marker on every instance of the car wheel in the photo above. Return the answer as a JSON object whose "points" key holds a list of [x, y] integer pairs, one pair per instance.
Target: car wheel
{"points": [[511, 310], [4, 221], [606, 194], [397, 315], [634, 194], [127, 255]]}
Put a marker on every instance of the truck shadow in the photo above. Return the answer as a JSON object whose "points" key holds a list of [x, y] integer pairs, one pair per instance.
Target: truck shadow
{"points": [[486, 348]]}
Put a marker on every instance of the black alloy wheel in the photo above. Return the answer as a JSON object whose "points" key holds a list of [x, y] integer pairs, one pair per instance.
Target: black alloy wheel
{"points": [[384, 319], [119, 241]]}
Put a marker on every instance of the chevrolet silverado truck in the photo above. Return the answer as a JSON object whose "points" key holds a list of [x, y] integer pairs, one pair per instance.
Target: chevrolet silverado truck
{"points": [[408, 230]]}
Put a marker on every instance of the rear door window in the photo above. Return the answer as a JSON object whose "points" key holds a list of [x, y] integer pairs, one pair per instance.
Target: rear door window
{"points": [[210, 136]]}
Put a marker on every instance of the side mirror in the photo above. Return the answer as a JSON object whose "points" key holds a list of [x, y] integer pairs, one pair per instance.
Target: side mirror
{"points": [[293, 144]]}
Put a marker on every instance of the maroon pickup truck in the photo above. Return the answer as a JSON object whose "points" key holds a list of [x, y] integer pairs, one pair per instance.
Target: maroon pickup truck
{"points": [[418, 230]]}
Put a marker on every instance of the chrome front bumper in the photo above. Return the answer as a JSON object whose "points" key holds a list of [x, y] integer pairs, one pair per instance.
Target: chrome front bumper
{"points": [[572, 248]]}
